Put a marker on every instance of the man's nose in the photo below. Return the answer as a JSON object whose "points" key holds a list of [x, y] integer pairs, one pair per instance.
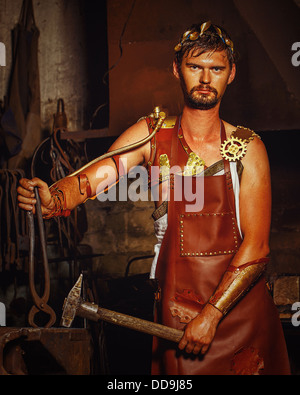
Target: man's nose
{"points": [[205, 77]]}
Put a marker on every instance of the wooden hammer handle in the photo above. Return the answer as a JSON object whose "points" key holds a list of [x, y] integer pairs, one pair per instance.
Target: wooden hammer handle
{"points": [[95, 313]]}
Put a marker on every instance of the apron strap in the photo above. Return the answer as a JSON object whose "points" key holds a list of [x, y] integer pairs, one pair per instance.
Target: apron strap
{"points": [[229, 184], [174, 158], [174, 143]]}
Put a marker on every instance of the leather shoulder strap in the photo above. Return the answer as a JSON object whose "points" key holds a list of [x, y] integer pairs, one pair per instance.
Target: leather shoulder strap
{"points": [[229, 185]]}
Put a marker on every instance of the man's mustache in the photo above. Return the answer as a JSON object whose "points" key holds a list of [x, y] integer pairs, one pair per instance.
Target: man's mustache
{"points": [[203, 87]]}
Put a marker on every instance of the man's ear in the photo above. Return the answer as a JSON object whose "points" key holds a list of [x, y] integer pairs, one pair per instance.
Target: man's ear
{"points": [[175, 70], [232, 74]]}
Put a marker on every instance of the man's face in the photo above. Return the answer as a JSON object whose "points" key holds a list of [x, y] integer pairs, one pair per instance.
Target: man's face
{"points": [[204, 79]]}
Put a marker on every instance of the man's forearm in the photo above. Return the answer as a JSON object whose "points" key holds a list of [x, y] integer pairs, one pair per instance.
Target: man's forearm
{"points": [[72, 191], [66, 194], [235, 283]]}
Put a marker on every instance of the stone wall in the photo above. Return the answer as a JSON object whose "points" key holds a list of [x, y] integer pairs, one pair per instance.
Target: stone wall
{"points": [[120, 231], [72, 56]]}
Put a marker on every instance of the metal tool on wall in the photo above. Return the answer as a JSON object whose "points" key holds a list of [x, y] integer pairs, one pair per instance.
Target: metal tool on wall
{"points": [[13, 238]]}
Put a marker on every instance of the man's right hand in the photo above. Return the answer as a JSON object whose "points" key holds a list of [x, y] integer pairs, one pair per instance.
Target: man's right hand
{"points": [[26, 195]]}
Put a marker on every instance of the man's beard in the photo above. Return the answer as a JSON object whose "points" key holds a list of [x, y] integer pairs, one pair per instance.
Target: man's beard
{"points": [[200, 101]]}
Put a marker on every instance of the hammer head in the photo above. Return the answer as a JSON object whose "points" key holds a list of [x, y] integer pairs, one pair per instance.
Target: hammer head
{"points": [[71, 304]]}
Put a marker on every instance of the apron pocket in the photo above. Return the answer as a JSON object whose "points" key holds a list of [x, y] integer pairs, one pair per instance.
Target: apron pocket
{"points": [[207, 234]]}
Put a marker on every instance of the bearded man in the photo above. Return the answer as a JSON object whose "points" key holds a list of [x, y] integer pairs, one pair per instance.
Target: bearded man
{"points": [[209, 263]]}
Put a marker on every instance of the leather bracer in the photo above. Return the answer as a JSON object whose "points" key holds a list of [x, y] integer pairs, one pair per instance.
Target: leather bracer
{"points": [[59, 202], [62, 193], [235, 283]]}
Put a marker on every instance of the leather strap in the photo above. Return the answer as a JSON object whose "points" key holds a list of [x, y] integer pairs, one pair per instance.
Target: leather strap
{"points": [[236, 269], [229, 185], [174, 143], [84, 185]]}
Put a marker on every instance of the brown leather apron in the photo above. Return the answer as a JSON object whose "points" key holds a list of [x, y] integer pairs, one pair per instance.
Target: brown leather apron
{"points": [[195, 252]]}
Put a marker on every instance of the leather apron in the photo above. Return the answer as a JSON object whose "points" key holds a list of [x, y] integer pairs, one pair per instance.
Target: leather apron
{"points": [[195, 252]]}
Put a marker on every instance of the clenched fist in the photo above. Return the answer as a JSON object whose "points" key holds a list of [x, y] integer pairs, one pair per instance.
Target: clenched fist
{"points": [[26, 195], [199, 333]]}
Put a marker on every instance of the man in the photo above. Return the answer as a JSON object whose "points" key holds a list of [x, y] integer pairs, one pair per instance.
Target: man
{"points": [[209, 262]]}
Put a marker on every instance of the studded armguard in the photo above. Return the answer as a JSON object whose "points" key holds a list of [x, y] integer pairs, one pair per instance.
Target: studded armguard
{"points": [[235, 283]]}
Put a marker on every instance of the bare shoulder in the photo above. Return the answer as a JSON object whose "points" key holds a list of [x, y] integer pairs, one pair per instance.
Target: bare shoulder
{"points": [[256, 156], [133, 134], [229, 128], [256, 150]]}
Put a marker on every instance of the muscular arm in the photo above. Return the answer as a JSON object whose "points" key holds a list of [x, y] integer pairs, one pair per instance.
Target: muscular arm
{"points": [[255, 204], [255, 216], [70, 185], [130, 159]]}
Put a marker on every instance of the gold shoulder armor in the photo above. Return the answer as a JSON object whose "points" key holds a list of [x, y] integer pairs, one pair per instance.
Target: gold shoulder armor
{"points": [[169, 122], [235, 147]]}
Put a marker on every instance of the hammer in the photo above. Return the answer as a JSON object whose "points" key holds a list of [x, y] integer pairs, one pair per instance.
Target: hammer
{"points": [[75, 306]]}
